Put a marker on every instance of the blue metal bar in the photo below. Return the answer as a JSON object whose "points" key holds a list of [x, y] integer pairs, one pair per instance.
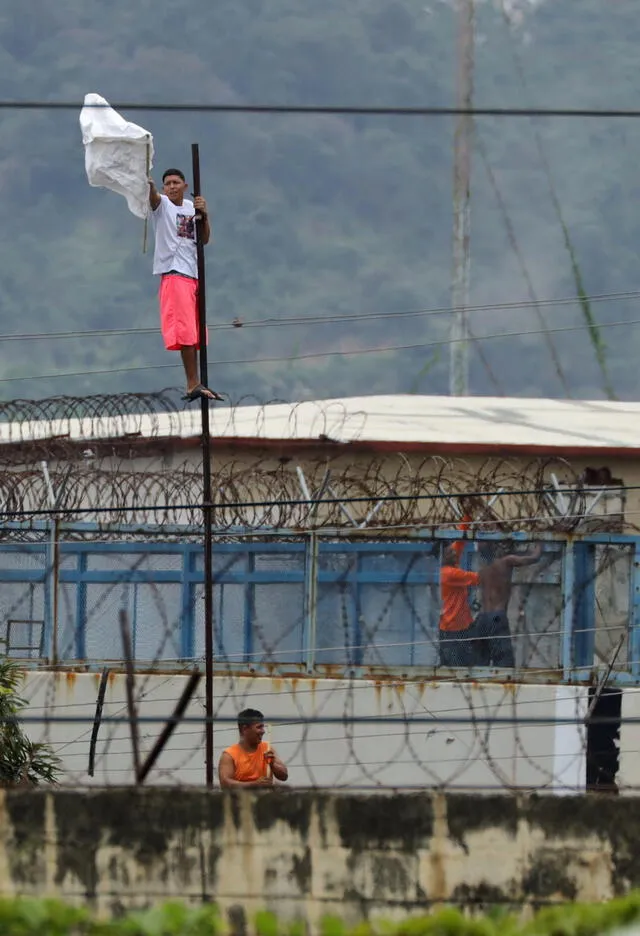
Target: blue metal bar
{"points": [[634, 623], [23, 547], [219, 590], [568, 592], [118, 576], [249, 606], [379, 546], [187, 630], [176, 548], [81, 609], [120, 549], [309, 628], [354, 581], [584, 600], [414, 627], [49, 585], [134, 620], [274, 577], [23, 575], [383, 578]]}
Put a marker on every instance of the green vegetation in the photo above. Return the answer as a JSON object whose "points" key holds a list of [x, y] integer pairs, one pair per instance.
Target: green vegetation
{"points": [[22, 763], [324, 215], [25, 917]]}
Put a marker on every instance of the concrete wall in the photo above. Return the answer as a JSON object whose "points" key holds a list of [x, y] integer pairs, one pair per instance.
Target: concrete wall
{"points": [[309, 854], [344, 751], [629, 772]]}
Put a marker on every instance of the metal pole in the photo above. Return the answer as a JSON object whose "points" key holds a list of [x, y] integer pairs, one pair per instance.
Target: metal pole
{"points": [[167, 731], [53, 571], [102, 691], [459, 352], [56, 578], [130, 685], [206, 483], [311, 596]]}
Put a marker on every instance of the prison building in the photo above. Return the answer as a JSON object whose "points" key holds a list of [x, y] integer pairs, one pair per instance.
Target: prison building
{"points": [[329, 518]]}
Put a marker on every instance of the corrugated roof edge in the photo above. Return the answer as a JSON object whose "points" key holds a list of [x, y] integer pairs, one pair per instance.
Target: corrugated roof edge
{"points": [[437, 424]]}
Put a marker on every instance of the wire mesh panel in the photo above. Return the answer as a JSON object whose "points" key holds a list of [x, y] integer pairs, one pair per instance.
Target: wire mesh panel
{"points": [[23, 600], [326, 635], [377, 606], [604, 617]]}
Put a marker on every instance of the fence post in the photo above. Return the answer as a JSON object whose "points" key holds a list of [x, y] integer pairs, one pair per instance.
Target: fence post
{"points": [[310, 601], [187, 648], [584, 601], [634, 607], [568, 608], [80, 642], [52, 570]]}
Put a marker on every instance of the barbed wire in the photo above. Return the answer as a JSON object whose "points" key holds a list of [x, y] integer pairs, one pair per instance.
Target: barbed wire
{"points": [[326, 601], [59, 412], [264, 493]]}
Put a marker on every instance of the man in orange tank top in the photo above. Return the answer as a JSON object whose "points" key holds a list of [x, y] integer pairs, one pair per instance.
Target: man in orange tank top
{"points": [[455, 614], [251, 762]]}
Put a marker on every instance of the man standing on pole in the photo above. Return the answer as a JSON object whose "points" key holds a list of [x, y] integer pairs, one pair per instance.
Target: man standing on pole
{"points": [[175, 261]]}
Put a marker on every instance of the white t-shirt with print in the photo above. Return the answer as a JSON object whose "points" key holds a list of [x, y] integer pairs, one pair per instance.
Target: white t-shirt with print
{"points": [[175, 234]]}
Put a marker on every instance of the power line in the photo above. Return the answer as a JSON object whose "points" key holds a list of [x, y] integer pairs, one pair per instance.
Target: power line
{"points": [[337, 109], [322, 354], [401, 719], [335, 319]]}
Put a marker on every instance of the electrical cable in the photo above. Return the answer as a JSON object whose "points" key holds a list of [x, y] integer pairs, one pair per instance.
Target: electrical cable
{"points": [[334, 319], [321, 354], [336, 109]]}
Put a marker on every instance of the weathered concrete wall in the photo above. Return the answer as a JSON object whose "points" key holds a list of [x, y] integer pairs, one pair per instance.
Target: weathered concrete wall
{"points": [[308, 854], [409, 750]]}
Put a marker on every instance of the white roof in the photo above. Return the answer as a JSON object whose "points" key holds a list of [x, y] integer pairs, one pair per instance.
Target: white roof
{"points": [[429, 421]]}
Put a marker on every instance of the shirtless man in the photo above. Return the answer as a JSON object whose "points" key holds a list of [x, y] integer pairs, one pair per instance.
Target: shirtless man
{"points": [[251, 762], [492, 624]]}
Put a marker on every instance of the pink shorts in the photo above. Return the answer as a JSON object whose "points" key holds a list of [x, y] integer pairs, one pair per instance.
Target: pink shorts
{"points": [[178, 297]]}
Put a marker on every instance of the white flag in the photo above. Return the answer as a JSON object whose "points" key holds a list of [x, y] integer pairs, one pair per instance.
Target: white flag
{"points": [[118, 155]]}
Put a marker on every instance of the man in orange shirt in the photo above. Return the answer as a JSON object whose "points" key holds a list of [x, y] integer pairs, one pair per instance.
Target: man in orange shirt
{"points": [[455, 614], [251, 762]]}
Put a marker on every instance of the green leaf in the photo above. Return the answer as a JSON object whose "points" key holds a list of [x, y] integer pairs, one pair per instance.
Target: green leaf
{"points": [[332, 926], [266, 924]]}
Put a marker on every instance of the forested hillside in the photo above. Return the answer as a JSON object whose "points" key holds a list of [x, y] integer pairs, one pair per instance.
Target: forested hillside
{"points": [[324, 216]]}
